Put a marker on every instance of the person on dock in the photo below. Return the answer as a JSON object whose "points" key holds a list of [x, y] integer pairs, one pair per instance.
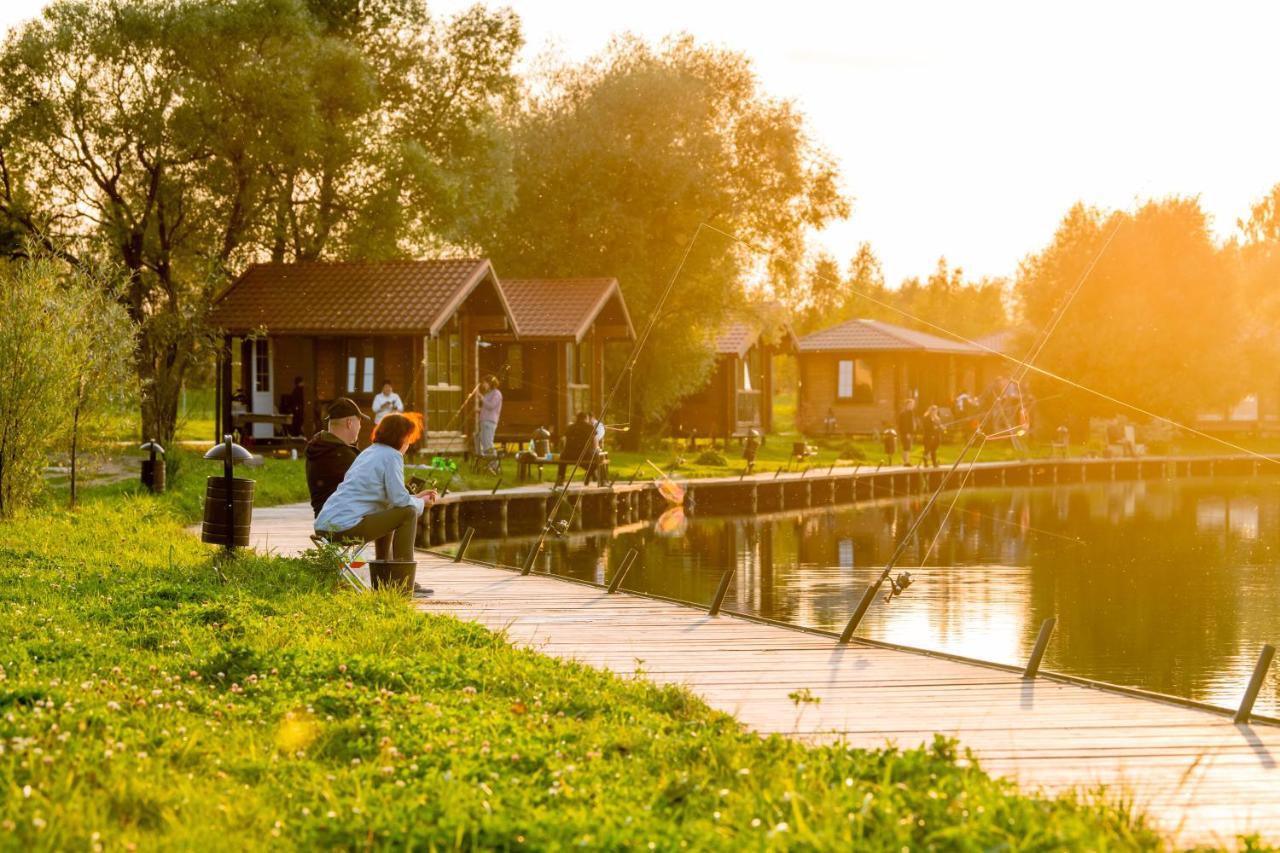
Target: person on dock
{"points": [[331, 451], [907, 428], [580, 446], [296, 405], [372, 503], [387, 402], [487, 421], [931, 435]]}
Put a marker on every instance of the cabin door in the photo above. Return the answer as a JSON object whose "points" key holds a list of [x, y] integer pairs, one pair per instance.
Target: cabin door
{"points": [[264, 401]]}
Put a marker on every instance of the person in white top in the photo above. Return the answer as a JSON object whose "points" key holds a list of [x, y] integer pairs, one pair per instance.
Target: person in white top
{"points": [[386, 402]]}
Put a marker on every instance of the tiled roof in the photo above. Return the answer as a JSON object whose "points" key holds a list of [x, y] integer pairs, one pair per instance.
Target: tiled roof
{"points": [[1001, 342], [736, 337], [561, 308], [876, 335], [382, 297]]}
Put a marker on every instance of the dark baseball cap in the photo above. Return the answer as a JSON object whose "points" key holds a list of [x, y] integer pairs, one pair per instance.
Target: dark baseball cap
{"points": [[344, 407]]}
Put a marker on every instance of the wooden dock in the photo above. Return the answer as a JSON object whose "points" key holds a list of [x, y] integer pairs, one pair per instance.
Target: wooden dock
{"points": [[1201, 778], [523, 509]]}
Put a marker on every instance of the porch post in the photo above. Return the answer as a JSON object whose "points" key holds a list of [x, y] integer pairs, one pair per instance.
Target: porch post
{"points": [[225, 373]]}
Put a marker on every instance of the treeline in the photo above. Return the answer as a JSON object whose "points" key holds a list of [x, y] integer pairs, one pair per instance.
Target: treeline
{"points": [[180, 141], [1122, 309]]}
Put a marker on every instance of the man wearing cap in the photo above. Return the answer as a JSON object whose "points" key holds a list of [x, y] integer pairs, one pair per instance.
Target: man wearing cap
{"points": [[331, 451]]}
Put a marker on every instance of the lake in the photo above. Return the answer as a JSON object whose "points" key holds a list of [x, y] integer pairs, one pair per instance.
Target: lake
{"points": [[1170, 586]]}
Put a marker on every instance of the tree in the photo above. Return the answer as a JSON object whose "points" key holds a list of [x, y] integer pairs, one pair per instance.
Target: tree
{"points": [[64, 350], [620, 161], [96, 354], [1153, 324], [945, 301], [182, 139]]}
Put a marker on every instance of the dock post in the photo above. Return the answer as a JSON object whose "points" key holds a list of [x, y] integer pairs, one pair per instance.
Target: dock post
{"points": [[1033, 664], [721, 591], [621, 573], [462, 546], [1255, 684]]}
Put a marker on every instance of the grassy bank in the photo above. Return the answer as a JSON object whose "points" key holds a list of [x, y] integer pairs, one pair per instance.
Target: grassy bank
{"points": [[147, 698]]}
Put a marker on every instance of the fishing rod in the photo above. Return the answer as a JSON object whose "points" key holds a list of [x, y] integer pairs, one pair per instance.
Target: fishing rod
{"points": [[873, 589], [617, 385]]}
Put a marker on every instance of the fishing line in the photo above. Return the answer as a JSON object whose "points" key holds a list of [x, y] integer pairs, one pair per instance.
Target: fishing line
{"points": [[1026, 366], [608, 401]]}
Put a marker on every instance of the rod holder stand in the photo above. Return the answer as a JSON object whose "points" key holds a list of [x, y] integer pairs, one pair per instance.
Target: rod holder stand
{"points": [[1265, 657], [621, 573], [462, 546], [1037, 652], [868, 596], [721, 592]]}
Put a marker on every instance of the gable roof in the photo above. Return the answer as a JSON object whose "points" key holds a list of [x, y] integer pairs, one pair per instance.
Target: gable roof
{"points": [[736, 337], [562, 308], [373, 297], [877, 335]]}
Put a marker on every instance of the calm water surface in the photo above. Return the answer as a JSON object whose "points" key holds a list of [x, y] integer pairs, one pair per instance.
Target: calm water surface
{"points": [[1170, 586]]}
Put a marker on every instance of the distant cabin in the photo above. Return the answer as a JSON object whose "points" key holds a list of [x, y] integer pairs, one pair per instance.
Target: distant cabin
{"points": [[432, 327], [555, 367], [859, 374], [738, 396]]}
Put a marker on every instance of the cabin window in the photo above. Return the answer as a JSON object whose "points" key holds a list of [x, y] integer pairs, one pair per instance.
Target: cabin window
{"points": [[752, 378], [509, 363], [261, 365], [854, 380], [443, 354], [360, 366], [578, 372]]}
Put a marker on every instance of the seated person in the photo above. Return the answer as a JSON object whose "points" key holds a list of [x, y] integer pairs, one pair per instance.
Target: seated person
{"points": [[580, 446], [331, 451], [372, 502]]}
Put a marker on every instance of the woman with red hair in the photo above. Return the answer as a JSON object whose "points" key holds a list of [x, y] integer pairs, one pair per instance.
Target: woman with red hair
{"points": [[372, 503]]}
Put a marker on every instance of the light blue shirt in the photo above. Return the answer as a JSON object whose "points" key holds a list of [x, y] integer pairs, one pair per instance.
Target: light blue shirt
{"points": [[374, 482]]}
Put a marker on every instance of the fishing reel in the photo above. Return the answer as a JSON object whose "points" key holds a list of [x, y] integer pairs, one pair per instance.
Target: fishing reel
{"points": [[560, 528], [898, 585]]}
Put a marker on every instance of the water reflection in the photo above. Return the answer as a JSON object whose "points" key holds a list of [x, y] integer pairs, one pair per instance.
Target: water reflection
{"points": [[1172, 586]]}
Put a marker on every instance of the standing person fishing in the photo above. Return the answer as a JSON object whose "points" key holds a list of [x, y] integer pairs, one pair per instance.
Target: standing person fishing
{"points": [[931, 435], [487, 421], [907, 428]]}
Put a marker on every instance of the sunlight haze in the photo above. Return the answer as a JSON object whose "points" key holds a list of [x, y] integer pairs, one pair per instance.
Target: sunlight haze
{"points": [[967, 130]]}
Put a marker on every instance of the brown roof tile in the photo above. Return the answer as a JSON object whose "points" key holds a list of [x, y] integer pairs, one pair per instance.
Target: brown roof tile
{"points": [[876, 335], [735, 338], [383, 297], [561, 308]]}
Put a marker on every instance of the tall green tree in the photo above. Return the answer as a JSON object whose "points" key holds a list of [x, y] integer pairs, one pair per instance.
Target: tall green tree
{"points": [[181, 139], [1155, 322], [943, 301], [619, 162]]}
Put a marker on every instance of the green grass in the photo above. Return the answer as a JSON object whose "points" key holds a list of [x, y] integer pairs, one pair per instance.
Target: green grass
{"points": [[148, 698]]}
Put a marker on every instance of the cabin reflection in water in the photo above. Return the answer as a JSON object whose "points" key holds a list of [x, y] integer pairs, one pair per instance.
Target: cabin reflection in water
{"points": [[1167, 585]]}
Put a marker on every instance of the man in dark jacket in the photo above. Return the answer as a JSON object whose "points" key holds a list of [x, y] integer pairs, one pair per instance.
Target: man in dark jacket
{"points": [[581, 446], [331, 451], [907, 428]]}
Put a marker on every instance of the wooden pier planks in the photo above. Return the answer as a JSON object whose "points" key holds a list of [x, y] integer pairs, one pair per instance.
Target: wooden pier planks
{"points": [[1200, 777]]}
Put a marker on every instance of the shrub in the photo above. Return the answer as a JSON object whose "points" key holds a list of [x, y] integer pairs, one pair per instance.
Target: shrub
{"points": [[712, 457]]}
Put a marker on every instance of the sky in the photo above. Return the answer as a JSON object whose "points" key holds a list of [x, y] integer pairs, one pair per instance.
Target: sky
{"points": [[968, 129]]}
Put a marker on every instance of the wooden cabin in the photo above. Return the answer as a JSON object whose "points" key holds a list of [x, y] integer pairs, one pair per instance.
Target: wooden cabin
{"points": [[738, 396], [344, 328], [555, 368], [857, 375]]}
